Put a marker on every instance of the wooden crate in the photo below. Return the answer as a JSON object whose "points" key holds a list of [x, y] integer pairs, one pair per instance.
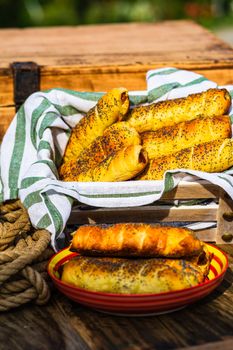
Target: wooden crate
{"points": [[220, 212], [98, 58]]}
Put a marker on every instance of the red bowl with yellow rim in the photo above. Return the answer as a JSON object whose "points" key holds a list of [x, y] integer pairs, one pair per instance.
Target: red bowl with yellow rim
{"points": [[139, 304]]}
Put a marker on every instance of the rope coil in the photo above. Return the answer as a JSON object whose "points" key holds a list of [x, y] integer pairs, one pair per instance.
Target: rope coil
{"points": [[24, 253]]}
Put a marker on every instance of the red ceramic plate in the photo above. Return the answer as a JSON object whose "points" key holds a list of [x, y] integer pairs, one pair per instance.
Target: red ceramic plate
{"points": [[139, 304]]}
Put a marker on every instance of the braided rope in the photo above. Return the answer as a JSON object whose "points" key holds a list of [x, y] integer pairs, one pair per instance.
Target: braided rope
{"points": [[12, 216], [10, 206], [15, 287], [16, 300], [14, 262], [8, 230], [23, 258]]}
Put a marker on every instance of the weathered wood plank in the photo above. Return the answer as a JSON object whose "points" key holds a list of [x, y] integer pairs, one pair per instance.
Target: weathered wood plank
{"points": [[118, 54], [33, 327], [207, 235], [142, 214], [6, 116], [224, 344], [225, 219], [156, 213], [104, 78], [193, 190], [6, 88], [112, 42]]}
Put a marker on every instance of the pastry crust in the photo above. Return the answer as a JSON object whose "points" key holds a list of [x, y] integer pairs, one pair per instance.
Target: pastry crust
{"points": [[171, 139], [215, 156], [122, 165], [135, 240], [110, 108], [202, 260], [115, 137], [134, 276], [210, 103]]}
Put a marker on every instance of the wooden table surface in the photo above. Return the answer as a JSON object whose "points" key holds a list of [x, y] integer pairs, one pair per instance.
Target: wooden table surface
{"points": [[62, 324]]}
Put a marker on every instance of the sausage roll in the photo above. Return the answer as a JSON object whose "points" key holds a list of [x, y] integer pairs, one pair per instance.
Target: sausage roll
{"points": [[110, 108], [119, 166], [202, 260], [133, 276], [114, 138], [211, 103], [214, 156], [136, 240], [171, 139]]}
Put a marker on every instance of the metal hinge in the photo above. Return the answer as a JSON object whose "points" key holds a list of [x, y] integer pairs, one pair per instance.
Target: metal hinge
{"points": [[26, 79]]}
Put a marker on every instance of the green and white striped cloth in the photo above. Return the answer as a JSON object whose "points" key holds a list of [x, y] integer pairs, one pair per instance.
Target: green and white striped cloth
{"points": [[34, 144]]}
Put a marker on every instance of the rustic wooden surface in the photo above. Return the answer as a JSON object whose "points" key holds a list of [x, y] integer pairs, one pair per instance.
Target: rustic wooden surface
{"points": [[98, 58], [148, 213], [106, 56], [225, 219], [63, 324], [6, 116], [167, 212]]}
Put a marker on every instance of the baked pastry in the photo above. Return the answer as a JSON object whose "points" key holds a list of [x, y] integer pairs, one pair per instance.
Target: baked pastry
{"points": [[136, 240], [119, 166], [171, 139], [127, 258], [211, 103], [134, 276], [114, 138], [214, 156], [202, 260], [110, 108]]}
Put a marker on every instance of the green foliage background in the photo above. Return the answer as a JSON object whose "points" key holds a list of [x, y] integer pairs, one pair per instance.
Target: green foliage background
{"points": [[24, 13]]}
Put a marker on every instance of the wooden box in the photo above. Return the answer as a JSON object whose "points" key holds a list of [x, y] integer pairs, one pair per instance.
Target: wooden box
{"points": [[219, 212], [98, 58]]}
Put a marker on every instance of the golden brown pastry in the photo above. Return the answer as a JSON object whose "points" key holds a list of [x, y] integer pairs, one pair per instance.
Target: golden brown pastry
{"points": [[119, 166], [117, 275], [110, 108], [215, 156], [171, 139], [137, 240], [114, 138], [213, 102], [202, 260]]}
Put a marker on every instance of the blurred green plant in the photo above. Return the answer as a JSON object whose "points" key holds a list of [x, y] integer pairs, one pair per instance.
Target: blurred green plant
{"points": [[24, 13]]}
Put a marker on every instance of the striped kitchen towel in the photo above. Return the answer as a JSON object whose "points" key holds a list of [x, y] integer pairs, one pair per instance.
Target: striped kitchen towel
{"points": [[34, 144]]}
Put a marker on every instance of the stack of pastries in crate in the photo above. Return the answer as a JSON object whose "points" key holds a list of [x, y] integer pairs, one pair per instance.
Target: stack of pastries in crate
{"points": [[114, 142]]}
